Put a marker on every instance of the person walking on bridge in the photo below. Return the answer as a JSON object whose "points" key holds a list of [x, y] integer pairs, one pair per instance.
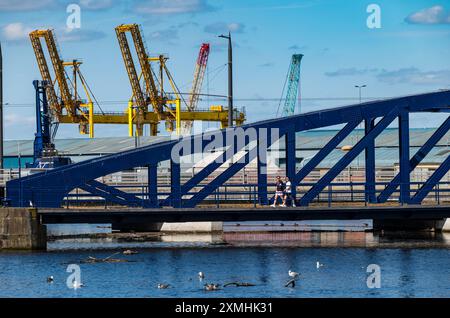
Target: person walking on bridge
{"points": [[288, 193], [279, 191]]}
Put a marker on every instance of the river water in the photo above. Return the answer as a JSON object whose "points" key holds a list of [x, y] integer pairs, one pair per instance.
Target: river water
{"points": [[410, 266]]}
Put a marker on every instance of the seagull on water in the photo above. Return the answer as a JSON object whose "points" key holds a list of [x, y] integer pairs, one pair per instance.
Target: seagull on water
{"points": [[77, 285], [293, 274], [210, 287], [163, 286], [318, 265], [201, 275], [50, 279]]}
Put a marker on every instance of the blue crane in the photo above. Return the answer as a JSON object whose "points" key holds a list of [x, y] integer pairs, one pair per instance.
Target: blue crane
{"points": [[45, 154], [293, 85]]}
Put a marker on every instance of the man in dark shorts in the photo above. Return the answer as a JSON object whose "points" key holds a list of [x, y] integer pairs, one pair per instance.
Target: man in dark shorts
{"points": [[279, 193]]}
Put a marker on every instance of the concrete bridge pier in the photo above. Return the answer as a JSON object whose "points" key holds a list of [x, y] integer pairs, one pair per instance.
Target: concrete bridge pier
{"points": [[20, 229], [173, 227], [435, 225]]}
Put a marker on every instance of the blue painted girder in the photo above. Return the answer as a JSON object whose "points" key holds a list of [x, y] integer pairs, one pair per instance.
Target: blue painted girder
{"points": [[348, 157], [47, 189], [416, 159], [112, 194]]}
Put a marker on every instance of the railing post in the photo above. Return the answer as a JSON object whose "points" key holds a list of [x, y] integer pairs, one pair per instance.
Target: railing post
{"points": [[403, 137], [330, 195]]}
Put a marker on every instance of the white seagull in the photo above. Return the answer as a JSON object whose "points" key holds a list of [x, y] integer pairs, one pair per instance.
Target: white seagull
{"points": [[293, 274], [77, 285], [201, 275], [163, 286], [319, 265]]}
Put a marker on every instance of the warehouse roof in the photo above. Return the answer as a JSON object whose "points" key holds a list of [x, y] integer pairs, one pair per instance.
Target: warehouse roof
{"points": [[308, 143]]}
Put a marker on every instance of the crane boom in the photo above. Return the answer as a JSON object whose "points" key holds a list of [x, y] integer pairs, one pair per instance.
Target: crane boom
{"points": [[293, 85], [44, 70], [131, 70], [58, 67], [144, 62], [199, 74], [75, 109]]}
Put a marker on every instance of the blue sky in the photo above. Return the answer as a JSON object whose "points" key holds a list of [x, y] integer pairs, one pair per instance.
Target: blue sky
{"points": [[408, 54]]}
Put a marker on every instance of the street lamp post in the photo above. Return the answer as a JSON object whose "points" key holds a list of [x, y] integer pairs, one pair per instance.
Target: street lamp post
{"points": [[230, 78], [360, 87]]}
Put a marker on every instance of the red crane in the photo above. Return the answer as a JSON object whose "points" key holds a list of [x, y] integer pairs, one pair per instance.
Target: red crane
{"points": [[199, 74]]}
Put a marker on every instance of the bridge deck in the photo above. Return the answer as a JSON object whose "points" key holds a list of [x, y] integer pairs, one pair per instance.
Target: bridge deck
{"points": [[97, 216]]}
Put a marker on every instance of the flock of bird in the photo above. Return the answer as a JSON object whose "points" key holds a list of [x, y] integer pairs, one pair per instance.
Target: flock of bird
{"points": [[294, 276], [75, 284]]}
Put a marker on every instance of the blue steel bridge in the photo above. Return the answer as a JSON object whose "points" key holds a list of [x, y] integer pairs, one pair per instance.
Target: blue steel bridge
{"points": [[50, 189]]}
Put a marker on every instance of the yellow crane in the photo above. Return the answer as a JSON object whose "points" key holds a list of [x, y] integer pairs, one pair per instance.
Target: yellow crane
{"points": [[68, 106], [140, 100], [155, 95]]}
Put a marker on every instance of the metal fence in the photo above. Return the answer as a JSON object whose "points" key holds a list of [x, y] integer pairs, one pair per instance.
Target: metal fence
{"points": [[242, 188]]}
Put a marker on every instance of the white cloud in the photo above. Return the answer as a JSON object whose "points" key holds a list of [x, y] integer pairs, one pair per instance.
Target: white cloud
{"points": [[407, 75], [413, 75], [219, 27], [19, 32], [95, 4], [172, 6], [15, 32], [165, 35], [432, 15], [351, 71], [78, 35], [14, 119], [25, 5]]}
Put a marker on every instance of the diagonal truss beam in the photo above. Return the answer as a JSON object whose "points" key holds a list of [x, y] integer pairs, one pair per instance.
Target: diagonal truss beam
{"points": [[418, 157], [349, 157], [202, 174], [219, 161], [325, 151], [111, 194], [431, 182], [222, 178]]}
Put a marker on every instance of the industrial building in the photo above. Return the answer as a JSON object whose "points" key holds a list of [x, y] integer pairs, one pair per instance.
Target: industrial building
{"points": [[307, 145]]}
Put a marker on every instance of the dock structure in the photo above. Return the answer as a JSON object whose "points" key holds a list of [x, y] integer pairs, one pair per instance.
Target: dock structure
{"points": [[115, 216], [181, 201]]}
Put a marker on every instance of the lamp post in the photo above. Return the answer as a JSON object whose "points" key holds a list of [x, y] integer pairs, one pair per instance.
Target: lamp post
{"points": [[360, 87], [230, 78]]}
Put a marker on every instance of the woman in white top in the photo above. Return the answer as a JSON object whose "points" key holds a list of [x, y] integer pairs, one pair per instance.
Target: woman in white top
{"points": [[288, 193]]}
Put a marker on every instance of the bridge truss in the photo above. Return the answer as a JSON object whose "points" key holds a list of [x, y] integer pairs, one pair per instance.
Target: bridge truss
{"points": [[49, 188]]}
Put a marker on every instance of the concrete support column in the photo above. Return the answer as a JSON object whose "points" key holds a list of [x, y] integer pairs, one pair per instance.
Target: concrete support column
{"points": [[20, 230]]}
